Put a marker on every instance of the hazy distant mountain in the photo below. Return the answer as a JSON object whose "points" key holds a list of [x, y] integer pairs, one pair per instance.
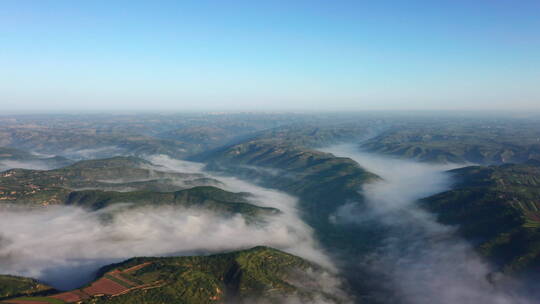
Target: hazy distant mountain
{"points": [[483, 142], [15, 158]]}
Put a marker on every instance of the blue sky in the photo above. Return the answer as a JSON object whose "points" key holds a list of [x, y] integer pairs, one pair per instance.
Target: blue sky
{"points": [[269, 55]]}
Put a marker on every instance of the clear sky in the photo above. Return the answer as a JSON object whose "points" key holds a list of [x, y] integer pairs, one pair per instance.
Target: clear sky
{"points": [[269, 55]]}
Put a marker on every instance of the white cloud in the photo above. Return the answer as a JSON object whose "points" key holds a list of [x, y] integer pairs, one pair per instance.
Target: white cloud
{"points": [[425, 261]]}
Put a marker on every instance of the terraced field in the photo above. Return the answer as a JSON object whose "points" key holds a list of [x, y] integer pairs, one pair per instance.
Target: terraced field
{"points": [[235, 277], [111, 284]]}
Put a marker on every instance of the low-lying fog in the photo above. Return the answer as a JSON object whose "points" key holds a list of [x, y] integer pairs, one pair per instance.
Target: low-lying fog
{"points": [[64, 246], [424, 260], [33, 164]]}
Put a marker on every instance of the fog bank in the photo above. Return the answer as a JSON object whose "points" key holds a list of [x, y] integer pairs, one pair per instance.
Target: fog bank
{"points": [[424, 261], [64, 245], [305, 247], [27, 164]]}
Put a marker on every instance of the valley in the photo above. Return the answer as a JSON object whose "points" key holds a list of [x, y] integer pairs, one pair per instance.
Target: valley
{"points": [[269, 152], [373, 224]]}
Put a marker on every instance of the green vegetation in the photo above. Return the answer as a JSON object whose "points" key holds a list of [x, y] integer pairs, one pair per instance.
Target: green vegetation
{"points": [[12, 286], [120, 281], [497, 207], [207, 198], [236, 277], [321, 181], [113, 162], [316, 135], [70, 141], [113, 174], [480, 141], [107, 135], [41, 299], [149, 187]]}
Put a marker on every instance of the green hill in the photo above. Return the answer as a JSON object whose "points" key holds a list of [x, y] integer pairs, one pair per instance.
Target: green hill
{"points": [[12, 286], [479, 141], [207, 197], [114, 174], [115, 162], [311, 135], [236, 277], [498, 208], [83, 142], [146, 186], [322, 182]]}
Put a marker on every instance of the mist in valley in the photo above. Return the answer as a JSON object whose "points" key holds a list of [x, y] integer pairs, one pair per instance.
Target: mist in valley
{"points": [[193, 128], [306, 245], [64, 245], [423, 260], [17, 164], [418, 259]]}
